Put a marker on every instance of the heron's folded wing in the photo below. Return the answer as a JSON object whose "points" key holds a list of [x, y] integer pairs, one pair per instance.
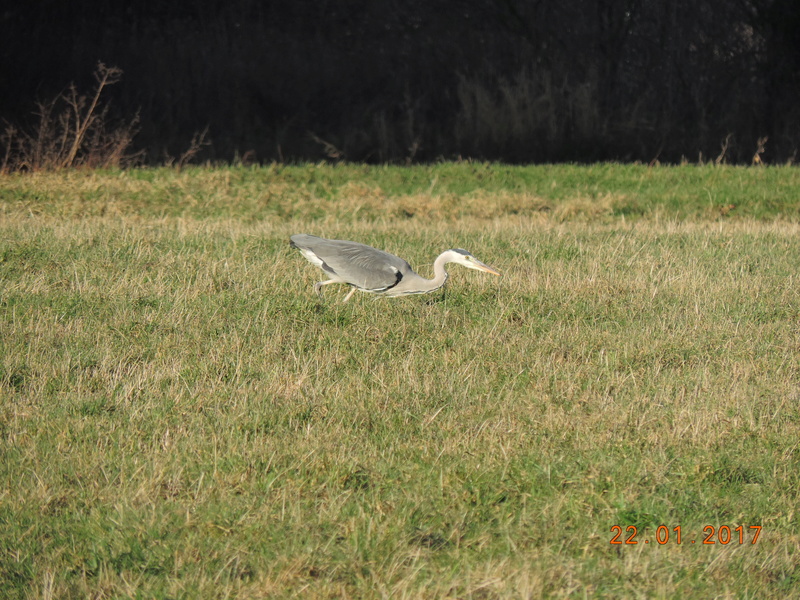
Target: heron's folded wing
{"points": [[361, 265]]}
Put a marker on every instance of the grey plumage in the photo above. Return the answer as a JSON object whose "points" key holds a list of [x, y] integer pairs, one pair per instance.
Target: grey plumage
{"points": [[375, 271]]}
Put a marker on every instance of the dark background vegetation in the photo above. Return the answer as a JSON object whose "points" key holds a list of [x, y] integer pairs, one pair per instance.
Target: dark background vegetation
{"points": [[421, 80]]}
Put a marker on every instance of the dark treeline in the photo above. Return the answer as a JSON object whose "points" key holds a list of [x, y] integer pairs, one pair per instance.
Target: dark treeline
{"points": [[419, 80]]}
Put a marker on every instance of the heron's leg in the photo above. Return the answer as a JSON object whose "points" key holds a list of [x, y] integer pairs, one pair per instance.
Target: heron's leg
{"points": [[350, 293], [318, 286]]}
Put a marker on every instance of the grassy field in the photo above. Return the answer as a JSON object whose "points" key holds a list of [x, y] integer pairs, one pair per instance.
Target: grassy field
{"points": [[181, 418]]}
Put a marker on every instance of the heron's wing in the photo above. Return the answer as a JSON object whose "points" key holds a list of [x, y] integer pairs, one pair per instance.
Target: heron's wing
{"points": [[357, 264]]}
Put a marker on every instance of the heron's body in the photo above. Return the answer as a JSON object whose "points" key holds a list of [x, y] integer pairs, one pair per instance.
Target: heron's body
{"points": [[375, 271]]}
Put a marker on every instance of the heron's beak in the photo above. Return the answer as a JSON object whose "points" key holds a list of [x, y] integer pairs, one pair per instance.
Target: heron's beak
{"points": [[484, 267]]}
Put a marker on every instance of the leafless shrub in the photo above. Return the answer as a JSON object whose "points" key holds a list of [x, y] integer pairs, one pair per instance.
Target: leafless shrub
{"points": [[199, 141], [331, 151], [724, 145], [73, 130], [761, 145]]}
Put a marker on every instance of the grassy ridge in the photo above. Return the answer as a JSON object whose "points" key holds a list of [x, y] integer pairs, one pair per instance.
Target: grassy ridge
{"points": [[345, 193], [179, 417]]}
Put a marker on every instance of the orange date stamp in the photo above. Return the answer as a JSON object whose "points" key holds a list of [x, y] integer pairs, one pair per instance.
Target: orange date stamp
{"points": [[664, 535]]}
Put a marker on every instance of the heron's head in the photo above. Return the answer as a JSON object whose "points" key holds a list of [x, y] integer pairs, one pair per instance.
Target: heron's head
{"points": [[462, 257]]}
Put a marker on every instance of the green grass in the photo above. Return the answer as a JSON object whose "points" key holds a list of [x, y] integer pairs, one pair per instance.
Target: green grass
{"points": [[180, 418]]}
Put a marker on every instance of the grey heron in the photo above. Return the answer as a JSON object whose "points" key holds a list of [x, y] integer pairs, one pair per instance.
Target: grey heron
{"points": [[371, 270]]}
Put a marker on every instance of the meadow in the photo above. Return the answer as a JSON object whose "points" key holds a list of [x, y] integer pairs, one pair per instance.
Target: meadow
{"points": [[181, 417]]}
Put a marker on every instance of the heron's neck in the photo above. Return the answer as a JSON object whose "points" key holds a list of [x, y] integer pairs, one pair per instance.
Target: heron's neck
{"points": [[416, 284], [439, 272]]}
